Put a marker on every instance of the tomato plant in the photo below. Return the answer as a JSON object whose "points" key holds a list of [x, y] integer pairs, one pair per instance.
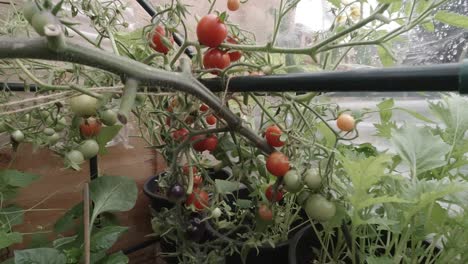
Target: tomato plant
{"points": [[84, 105], [108, 117], [90, 127], [211, 31], [89, 148], [211, 120], [210, 143], [277, 164], [215, 58], [272, 135], [198, 198], [204, 107], [197, 180], [198, 142], [159, 40], [312, 179], [265, 213], [319, 208], [186, 169], [234, 55], [293, 182], [180, 134], [345, 122], [269, 194], [233, 5]]}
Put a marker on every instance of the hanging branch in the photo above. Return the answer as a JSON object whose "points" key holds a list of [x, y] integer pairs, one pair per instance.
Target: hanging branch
{"points": [[38, 48]]}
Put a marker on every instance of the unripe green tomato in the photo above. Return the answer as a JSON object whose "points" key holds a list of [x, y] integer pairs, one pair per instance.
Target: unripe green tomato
{"points": [[319, 208], [41, 19], [312, 179], [89, 148], [216, 213], [109, 117], [61, 124], [75, 157], [53, 139], [29, 10], [49, 131], [44, 114], [17, 136], [292, 181], [84, 105]]}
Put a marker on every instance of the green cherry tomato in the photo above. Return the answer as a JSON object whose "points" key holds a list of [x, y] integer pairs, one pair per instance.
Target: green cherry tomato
{"points": [[75, 157], [319, 208], [108, 117], [292, 182], [52, 139], [312, 179], [89, 148], [84, 105], [49, 131], [61, 124], [17, 136]]}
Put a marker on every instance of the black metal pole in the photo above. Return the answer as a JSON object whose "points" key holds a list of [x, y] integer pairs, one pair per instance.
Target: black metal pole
{"points": [[151, 11], [93, 167]]}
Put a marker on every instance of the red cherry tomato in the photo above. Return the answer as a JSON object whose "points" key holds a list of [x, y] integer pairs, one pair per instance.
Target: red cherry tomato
{"points": [[272, 135], [198, 198], [198, 142], [186, 170], [180, 134], [277, 164], [265, 213], [197, 180], [234, 55], [233, 5], [210, 143], [269, 194], [211, 120], [215, 58], [204, 108], [157, 40], [90, 127], [211, 31]]}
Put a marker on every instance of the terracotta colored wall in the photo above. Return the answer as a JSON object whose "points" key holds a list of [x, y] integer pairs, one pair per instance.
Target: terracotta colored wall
{"points": [[64, 187]]}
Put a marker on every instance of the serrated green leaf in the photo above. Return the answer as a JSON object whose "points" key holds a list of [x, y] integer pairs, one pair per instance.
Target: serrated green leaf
{"points": [[9, 238], [335, 3], [429, 26], [106, 237], [385, 108], [243, 203], [365, 172], [225, 187], [40, 256], [385, 130], [105, 135], [415, 115], [412, 144], [17, 178], [452, 19], [11, 216], [112, 193], [378, 200], [327, 133]]}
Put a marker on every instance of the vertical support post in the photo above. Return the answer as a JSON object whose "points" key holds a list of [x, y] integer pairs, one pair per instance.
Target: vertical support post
{"points": [[93, 167], [87, 235]]}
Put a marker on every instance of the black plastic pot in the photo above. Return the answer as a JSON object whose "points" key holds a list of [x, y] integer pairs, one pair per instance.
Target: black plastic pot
{"points": [[151, 189], [265, 254], [300, 251]]}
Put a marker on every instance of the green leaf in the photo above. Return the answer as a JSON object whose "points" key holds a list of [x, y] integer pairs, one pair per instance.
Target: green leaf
{"points": [[243, 203], [452, 19], [385, 130], [39, 256], [365, 172], [116, 258], [106, 237], [66, 222], [389, 1], [11, 216], [225, 187], [385, 56], [327, 133], [419, 148], [112, 193], [335, 3], [105, 135], [452, 111], [17, 178], [385, 108], [429, 26], [379, 200], [415, 115], [395, 7], [9, 238], [60, 242]]}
